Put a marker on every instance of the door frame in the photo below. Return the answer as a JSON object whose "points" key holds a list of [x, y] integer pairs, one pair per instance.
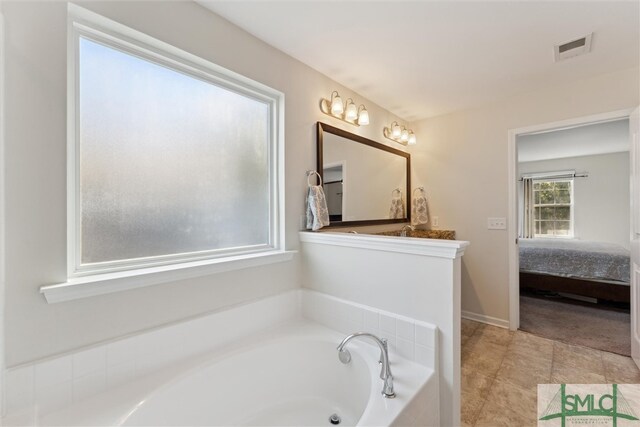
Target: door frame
{"points": [[343, 166], [512, 214]]}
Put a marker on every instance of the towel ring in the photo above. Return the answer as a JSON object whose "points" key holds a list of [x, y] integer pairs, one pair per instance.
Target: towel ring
{"points": [[310, 174], [398, 190], [419, 188]]}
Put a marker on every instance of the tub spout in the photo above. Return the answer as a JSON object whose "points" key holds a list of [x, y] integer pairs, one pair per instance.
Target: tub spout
{"points": [[385, 373]]}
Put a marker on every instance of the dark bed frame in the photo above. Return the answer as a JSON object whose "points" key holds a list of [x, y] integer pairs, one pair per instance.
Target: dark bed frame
{"points": [[588, 288]]}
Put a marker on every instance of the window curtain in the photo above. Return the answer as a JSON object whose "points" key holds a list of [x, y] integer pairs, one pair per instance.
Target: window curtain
{"points": [[527, 229]]}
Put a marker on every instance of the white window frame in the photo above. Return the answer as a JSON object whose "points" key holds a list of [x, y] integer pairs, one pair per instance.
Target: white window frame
{"points": [[571, 209], [150, 270]]}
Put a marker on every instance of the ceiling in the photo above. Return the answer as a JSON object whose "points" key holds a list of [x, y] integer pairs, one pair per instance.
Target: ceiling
{"points": [[421, 59], [586, 140]]}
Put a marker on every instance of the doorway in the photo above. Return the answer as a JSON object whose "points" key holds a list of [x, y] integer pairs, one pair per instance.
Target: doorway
{"points": [[551, 220], [334, 179]]}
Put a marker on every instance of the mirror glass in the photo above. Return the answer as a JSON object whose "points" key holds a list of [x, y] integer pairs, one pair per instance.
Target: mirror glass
{"points": [[365, 182]]}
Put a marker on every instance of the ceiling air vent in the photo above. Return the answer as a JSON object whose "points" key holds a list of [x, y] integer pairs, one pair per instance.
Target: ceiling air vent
{"points": [[573, 48]]}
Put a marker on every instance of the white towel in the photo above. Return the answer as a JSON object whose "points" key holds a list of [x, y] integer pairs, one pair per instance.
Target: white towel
{"points": [[396, 211], [419, 208], [317, 212]]}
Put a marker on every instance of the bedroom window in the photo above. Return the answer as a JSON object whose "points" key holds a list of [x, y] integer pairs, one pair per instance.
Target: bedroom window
{"points": [[172, 159], [553, 208]]}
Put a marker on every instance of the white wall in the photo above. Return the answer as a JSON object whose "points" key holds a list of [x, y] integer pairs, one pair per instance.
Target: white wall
{"points": [[2, 216], [36, 162], [601, 201], [461, 160]]}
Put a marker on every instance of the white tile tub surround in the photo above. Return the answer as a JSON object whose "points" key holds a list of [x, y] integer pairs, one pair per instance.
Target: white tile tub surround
{"points": [[412, 339], [49, 385]]}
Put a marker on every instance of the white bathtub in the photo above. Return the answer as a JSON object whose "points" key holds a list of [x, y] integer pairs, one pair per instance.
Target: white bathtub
{"points": [[290, 376]]}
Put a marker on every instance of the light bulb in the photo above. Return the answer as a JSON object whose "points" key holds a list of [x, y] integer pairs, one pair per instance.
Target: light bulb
{"points": [[363, 116], [412, 138], [404, 136], [352, 111], [336, 104], [395, 130]]}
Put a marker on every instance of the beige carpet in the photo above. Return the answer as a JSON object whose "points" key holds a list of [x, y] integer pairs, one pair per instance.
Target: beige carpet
{"points": [[577, 323]]}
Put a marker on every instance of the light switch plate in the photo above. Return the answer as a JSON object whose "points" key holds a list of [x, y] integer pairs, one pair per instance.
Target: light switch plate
{"points": [[497, 223]]}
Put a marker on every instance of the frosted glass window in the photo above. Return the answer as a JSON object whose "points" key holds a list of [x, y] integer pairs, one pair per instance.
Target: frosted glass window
{"points": [[169, 163]]}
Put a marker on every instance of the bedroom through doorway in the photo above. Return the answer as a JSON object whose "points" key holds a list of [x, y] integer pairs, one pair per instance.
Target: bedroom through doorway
{"points": [[573, 234]]}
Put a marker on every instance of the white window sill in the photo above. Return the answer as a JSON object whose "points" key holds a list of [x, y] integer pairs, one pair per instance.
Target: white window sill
{"points": [[100, 284]]}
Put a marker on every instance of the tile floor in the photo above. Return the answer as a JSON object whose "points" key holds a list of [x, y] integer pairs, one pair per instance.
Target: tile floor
{"points": [[501, 370]]}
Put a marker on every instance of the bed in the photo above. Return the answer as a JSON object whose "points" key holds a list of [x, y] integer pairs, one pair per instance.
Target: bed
{"points": [[590, 269]]}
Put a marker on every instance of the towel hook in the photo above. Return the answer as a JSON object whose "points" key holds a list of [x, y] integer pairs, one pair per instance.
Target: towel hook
{"points": [[310, 174], [418, 188], [398, 190]]}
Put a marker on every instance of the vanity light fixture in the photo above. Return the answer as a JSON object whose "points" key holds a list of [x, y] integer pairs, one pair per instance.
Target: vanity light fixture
{"points": [[412, 138], [351, 111], [336, 104], [395, 130], [363, 115], [400, 134], [347, 112], [404, 136]]}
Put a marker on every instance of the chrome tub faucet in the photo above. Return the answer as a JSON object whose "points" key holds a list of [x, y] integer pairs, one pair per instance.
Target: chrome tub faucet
{"points": [[385, 373]]}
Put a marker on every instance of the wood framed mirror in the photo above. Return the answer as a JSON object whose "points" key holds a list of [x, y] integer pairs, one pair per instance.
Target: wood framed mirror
{"points": [[361, 177]]}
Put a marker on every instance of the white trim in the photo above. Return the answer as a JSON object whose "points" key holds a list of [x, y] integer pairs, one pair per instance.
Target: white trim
{"points": [[512, 232], [482, 318], [512, 220], [106, 26], [634, 134], [3, 253], [577, 124], [107, 283], [573, 122], [88, 25], [450, 249]]}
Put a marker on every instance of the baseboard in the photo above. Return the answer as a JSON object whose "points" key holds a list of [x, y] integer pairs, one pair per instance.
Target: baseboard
{"points": [[494, 321]]}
